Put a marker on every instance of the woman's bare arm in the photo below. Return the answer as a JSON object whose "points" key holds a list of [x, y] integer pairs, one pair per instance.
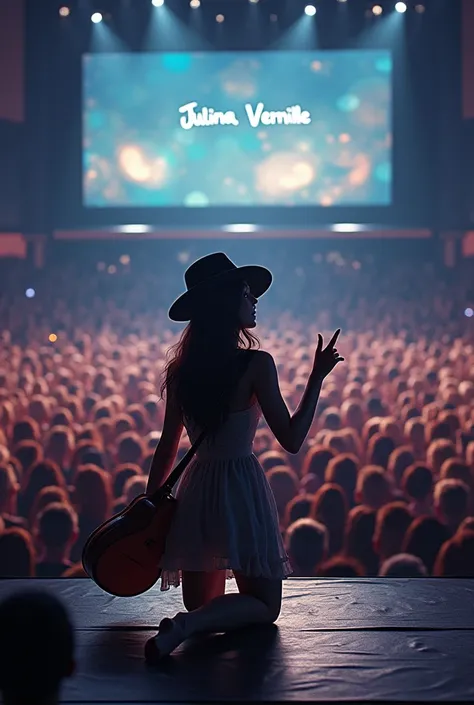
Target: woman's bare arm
{"points": [[291, 430], [167, 447]]}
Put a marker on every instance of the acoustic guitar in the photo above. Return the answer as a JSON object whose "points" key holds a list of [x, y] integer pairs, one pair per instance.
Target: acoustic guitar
{"points": [[122, 556]]}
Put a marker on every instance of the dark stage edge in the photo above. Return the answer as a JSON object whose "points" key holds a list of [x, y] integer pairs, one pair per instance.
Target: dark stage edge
{"points": [[357, 640]]}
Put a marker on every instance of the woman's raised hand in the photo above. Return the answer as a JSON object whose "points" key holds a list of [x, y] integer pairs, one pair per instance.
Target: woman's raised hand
{"points": [[325, 360]]}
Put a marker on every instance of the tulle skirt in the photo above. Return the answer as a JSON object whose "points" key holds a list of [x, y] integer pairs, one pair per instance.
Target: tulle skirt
{"points": [[226, 519]]}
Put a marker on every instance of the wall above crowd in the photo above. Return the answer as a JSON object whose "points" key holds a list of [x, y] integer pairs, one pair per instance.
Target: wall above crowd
{"points": [[12, 60]]}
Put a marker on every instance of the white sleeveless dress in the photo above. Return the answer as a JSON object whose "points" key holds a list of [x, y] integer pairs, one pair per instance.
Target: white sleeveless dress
{"points": [[226, 517]]}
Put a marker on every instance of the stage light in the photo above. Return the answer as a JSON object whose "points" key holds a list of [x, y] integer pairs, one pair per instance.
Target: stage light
{"points": [[52, 337], [96, 17], [342, 0], [64, 11], [347, 228], [310, 10], [401, 7], [220, 18], [195, 4], [377, 9], [240, 228], [157, 3], [30, 293], [420, 8], [134, 229], [469, 313], [253, 2]]}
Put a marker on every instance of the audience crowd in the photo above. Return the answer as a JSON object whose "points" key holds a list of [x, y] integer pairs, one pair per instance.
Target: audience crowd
{"points": [[384, 484]]}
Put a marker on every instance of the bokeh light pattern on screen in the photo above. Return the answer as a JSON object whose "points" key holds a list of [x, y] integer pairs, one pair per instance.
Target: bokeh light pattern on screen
{"points": [[246, 128]]}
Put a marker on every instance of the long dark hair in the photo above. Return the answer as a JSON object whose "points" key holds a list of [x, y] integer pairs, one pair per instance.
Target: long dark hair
{"points": [[202, 367]]}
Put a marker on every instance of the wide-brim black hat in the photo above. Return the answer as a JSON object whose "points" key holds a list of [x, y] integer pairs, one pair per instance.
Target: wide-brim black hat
{"points": [[210, 271]]}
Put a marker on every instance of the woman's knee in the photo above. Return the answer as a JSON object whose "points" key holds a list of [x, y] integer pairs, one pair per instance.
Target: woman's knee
{"points": [[273, 612], [273, 605], [267, 591], [201, 588]]}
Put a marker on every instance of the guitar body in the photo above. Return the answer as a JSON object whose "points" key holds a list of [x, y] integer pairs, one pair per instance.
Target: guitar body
{"points": [[122, 555]]}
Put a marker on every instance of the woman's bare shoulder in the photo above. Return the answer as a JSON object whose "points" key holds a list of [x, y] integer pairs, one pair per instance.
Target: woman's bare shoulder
{"points": [[261, 365], [262, 358]]}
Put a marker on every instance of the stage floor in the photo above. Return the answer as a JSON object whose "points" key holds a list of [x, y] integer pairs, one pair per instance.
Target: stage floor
{"points": [[336, 640]]}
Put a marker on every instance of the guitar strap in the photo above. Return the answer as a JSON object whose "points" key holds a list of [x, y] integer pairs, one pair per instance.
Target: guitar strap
{"points": [[166, 489]]}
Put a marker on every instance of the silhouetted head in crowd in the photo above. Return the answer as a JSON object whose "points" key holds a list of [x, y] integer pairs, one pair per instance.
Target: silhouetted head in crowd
{"points": [[307, 545], [330, 508], [28, 453], [417, 485], [375, 407], [342, 471], [358, 540], [17, 554], [33, 667], [424, 538], [456, 557], [415, 434], [298, 508], [457, 469], [59, 446], [93, 494], [400, 459], [353, 414], [380, 448], [317, 460], [439, 451], [46, 473], [391, 525], [25, 430], [403, 565], [129, 448], [56, 531], [373, 487], [284, 484], [451, 500], [46, 496], [331, 419], [120, 477], [134, 487]]}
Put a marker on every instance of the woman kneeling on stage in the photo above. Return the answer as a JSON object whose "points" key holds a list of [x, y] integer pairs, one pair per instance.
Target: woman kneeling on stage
{"points": [[226, 523]]}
